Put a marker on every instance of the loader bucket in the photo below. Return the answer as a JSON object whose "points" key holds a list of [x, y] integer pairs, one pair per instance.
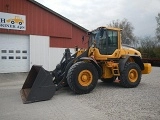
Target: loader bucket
{"points": [[38, 85]]}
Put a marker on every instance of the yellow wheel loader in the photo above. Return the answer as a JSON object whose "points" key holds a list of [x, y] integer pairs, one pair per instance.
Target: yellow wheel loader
{"points": [[105, 59]]}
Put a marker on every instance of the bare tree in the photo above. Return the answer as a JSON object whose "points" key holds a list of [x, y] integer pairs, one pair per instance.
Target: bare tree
{"points": [[148, 46], [158, 27], [127, 31]]}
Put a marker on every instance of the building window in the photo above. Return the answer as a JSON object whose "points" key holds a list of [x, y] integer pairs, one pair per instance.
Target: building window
{"points": [[18, 57], [11, 57], [4, 57], [3, 51], [24, 57], [24, 51], [11, 51], [18, 51]]}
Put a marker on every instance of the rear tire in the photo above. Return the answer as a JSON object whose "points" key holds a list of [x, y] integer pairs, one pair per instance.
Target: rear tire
{"points": [[131, 75], [82, 77]]}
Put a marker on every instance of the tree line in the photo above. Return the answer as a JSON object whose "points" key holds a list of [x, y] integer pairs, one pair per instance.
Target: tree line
{"points": [[147, 45]]}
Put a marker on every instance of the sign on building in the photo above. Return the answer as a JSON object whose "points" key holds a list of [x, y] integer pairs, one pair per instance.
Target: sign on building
{"points": [[12, 21]]}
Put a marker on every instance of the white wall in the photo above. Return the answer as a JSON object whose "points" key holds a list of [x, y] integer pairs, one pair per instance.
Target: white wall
{"points": [[42, 54], [55, 56], [39, 51]]}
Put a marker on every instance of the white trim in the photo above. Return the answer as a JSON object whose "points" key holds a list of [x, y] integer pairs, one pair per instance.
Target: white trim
{"points": [[39, 51]]}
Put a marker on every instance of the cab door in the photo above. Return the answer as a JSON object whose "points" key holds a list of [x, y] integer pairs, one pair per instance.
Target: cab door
{"points": [[112, 41]]}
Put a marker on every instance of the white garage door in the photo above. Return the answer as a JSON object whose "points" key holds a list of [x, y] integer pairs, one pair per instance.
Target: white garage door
{"points": [[14, 53]]}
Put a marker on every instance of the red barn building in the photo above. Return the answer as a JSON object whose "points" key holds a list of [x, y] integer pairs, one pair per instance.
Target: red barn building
{"points": [[31, 33]]}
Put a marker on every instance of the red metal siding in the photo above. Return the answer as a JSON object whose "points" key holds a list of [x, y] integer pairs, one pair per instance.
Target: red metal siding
{"points": [[42, 22], [38, 20], [70, 43]]}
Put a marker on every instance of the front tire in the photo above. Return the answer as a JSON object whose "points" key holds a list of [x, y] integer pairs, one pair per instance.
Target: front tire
{"points": [[82, 77], [131, 75], [20, 23], [12, 22]]}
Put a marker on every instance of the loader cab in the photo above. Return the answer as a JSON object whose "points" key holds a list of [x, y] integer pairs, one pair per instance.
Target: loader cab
{"points": [[106, 40]]}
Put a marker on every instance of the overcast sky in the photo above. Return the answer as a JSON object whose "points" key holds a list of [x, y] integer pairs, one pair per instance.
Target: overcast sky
{"points": [[91, 14]]}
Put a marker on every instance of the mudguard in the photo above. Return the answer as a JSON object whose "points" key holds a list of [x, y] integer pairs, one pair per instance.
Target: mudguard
{"points": [[136, 58], [99, 69]]}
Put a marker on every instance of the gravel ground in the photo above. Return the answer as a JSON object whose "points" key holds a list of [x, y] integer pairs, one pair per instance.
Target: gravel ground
{"points": [[105, 102]]}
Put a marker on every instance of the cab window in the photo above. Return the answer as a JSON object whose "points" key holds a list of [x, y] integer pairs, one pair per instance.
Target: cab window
{"points": [[112, 41]]}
